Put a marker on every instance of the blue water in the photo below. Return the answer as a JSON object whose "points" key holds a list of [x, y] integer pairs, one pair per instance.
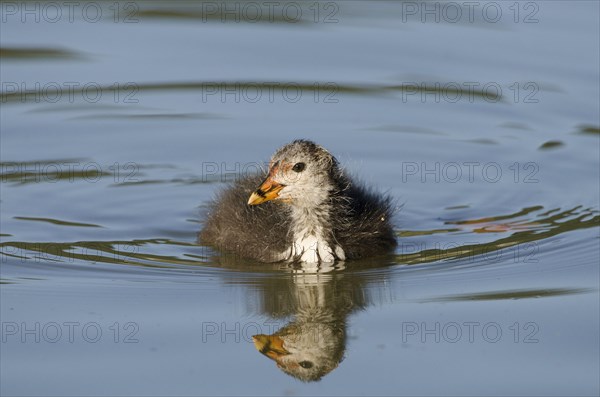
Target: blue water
{"points": [[486, 134]]}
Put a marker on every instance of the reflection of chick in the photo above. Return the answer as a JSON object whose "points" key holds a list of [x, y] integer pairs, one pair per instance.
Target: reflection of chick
{"points": [[313, 344], [305, 350]]}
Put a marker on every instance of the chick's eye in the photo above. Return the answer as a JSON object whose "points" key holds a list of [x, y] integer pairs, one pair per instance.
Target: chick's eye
{"points": [[298, 167], [305, 364]]}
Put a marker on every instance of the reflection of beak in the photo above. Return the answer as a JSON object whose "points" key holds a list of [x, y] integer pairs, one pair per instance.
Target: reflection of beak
{"points": [[268, 190], [270, 345]]}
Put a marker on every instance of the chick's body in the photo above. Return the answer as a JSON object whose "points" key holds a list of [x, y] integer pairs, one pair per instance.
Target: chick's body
{"points": [[309, 211]]}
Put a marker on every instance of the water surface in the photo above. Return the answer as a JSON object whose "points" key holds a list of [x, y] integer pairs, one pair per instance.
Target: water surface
{"points": [[116, 134]]}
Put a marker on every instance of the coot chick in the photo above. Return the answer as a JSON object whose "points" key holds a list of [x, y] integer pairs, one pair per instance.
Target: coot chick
{"points": [[310, 211]]}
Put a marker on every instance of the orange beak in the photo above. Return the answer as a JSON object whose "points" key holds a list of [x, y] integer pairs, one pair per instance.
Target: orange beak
{"points": [[268, 190], [270, 345]]}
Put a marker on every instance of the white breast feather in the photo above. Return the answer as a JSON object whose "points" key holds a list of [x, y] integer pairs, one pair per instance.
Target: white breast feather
{"points": [[313, 249]]}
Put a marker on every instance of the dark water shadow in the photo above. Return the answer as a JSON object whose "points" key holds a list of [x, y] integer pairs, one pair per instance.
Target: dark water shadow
{"points": [[55, 221], [326, 90], [37, 54], [150, 116], [588, 130], [511, 294], [16, 173]]}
